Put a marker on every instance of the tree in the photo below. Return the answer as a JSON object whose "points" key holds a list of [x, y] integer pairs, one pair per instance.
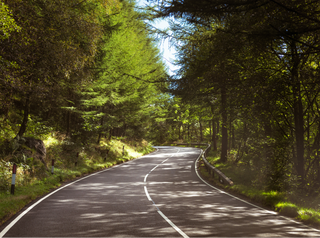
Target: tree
{"points": [[279, 40], [127, 72], [57, 41]]}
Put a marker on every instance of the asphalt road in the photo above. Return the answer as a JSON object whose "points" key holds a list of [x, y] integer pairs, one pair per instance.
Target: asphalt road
{"points": [[156, 195]]}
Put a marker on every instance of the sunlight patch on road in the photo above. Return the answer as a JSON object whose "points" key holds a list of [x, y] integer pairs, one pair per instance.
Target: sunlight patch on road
{"points": [[92, 215], [158, 210]]}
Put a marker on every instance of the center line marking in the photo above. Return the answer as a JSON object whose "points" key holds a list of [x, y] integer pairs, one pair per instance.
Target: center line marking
{"points": [[164, 217], [160, 213], [146, 191], [145, 178], [173, 225]]}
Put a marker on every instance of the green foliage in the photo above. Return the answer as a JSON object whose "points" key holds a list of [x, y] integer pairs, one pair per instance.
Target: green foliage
{"points": [[89, 69], [254, 73], [309, 216], [8, 24], [124, 86], [33, 180], [287, 209], [291, 204], [5, 175]]}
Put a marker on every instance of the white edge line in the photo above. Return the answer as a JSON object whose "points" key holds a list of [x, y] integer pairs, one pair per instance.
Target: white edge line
{"points": [[11, 224], [224, 191], [8, 227], [271, 212]]}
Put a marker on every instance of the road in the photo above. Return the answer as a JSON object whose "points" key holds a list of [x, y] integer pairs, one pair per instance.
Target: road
{"points": [[156, 195]]}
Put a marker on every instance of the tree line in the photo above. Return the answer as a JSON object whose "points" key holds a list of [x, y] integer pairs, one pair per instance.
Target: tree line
{"points": [[84, 68], [248, 78]]}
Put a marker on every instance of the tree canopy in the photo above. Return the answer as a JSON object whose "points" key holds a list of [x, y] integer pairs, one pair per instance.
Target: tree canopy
{"points": [[84, 68], [255, 63], [248, 78]]}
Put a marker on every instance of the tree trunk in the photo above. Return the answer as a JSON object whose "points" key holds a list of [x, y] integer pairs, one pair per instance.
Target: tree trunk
{"points": [[214, 138], [201, 135], [218, 130], [224, 129], [299, 134], [298, 113], [125, 130], [26, 112], [196, 133], [268, 134], [213, 135], [100, 133], [68, 123], [233, 144], [230, 135]]}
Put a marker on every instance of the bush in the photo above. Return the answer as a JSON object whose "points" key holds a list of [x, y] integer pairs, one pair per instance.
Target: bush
{"points": [[5, 175], [287, 209]]}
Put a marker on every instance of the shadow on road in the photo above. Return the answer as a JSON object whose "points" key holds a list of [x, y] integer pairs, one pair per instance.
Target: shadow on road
{"points": [[113, 203]]}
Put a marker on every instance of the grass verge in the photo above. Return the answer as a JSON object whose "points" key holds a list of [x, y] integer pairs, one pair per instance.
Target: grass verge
{"points": [[89, 160], [246, 187]]}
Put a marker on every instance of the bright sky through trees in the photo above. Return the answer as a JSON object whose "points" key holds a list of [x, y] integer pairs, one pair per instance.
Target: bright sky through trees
{"points": [[167, 49]]}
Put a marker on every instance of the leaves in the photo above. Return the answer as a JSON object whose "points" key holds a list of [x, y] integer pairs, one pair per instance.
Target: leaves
{"points": [[8, 23], [123, 88]]}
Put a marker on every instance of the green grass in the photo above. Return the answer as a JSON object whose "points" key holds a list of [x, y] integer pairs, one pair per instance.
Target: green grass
{"points": [[309, 216], [11, 204], [89, 161], [247, 184], [287, 209], [213, 157], [306, 215]]}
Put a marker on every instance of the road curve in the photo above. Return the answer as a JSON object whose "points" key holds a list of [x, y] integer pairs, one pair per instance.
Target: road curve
{"points": [[159, 194]]}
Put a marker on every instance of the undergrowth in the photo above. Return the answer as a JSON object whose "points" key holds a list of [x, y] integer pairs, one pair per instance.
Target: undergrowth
{"points": [[34, 179], [249, 183]]}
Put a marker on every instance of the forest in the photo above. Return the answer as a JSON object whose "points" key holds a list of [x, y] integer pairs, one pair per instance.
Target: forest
{"points": [[251, 71], [81, 87], [87, 72]]}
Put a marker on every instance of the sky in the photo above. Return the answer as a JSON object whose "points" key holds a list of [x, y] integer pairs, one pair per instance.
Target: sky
{"points": [[164, 45]]}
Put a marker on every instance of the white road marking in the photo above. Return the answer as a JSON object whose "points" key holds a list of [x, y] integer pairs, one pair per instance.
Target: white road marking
{"points": [[154, 168], [145, 178], [161, 214], [195, 167], [146, 191], [164, 217], [173, 225], [8, 227], [271, 212], [165, 160]]}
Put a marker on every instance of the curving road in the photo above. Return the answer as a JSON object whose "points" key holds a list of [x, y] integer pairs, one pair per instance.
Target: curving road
{"points": [[156, 195]]}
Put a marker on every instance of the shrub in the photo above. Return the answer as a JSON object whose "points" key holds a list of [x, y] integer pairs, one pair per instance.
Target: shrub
{"points": [[287, 209]]}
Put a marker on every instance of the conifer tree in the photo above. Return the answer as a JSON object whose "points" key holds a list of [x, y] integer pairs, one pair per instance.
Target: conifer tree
{"points": [[127, 71]]}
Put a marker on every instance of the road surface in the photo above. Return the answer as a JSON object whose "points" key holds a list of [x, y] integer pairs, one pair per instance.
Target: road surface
{"points": [[159, 194]]}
